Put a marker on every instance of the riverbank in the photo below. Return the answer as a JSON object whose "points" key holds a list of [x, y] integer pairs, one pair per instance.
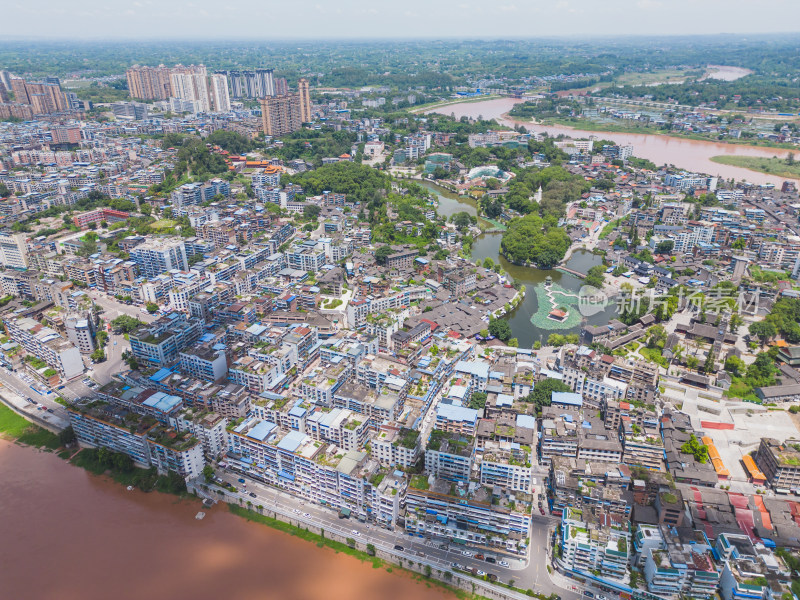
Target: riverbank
{"points": [[693, 155], [592, 126], [437, 105], [370, 556], [16, 428], [69, 520], [772, 166]]}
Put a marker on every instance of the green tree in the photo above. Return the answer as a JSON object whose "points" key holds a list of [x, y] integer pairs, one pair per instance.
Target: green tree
{"points": [[126, 323], [311, 211], [208, 473], [595, 276], [762, 371], [708, 365], [735, 366], [88, 247], [763, 330], [151, 307], [543, 391], [462, 220], [382, 253], [696, 449], [665, 247], [500, 329], [67, 436]]}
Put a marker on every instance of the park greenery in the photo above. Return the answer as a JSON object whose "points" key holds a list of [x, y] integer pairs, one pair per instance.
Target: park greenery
{"points": [[360, 183], [314, 145], [783, 319], [595, 276], [529, 240], [233, 142]]}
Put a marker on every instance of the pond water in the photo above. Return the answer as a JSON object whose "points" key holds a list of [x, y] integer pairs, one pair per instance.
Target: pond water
{"points": [[488, 245]]}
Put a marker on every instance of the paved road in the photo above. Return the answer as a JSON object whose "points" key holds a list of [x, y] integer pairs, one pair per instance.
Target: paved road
{"points": [[113, 308], [17, 390], [525, 574]]}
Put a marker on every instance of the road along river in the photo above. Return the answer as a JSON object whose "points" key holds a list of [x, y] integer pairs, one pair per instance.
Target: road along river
{"points": [[70, 535]]}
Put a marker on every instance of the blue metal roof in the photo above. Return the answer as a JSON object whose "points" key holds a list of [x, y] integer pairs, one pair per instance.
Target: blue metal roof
{"points": [[568, 398], [292, 441], [261, 431], [452, 412]]}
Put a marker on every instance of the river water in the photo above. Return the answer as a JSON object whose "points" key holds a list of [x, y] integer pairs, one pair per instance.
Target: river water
{"points": [[69, 535], [692, 155], [488, 245]]}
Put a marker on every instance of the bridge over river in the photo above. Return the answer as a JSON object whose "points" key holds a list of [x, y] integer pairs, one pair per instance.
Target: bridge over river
{"points": [[572, 272]]}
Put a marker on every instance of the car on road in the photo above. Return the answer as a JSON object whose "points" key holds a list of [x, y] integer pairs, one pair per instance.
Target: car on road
{"points": [[491, 559], [398, 547], [355, 532], [541, 510], [503, 563], [480, 573], [252, 494], [601, 597], [479, 556], [240, 480], [588, 594], [306, 515], [467, 553], [50, 410]]}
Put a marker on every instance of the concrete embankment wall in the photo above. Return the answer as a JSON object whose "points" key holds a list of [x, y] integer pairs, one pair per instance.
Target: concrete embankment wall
{"points": [[33, 417]]}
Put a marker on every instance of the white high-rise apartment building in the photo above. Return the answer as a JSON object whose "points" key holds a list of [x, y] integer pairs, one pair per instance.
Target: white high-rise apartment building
{"points": [[191, 83], [219, 93], [159, 256], [13, 250]]}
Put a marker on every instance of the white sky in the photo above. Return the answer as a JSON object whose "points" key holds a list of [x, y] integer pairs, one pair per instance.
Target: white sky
{"points": [[304, 19]]}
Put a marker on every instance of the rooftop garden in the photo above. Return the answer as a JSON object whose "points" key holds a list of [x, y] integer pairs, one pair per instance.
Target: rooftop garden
{"points": [[669, 498], [408, 438], [234, 424], [419, 482], [35, 362]]}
